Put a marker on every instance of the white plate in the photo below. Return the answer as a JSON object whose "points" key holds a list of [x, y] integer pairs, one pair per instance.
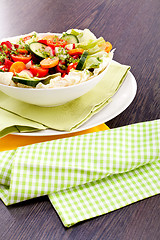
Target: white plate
{"points": [[120, 101]]}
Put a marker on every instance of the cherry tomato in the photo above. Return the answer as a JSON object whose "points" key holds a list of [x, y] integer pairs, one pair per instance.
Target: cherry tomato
{"points": [[51, 37], [26, 38], [22, 51], [108, 47], [38, 71], [21, 58], [76, 51], [17, 67], [49, 62], [59, 43]]}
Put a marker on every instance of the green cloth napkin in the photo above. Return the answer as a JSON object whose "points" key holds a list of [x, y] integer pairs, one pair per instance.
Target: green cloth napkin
{"points": [[66, 117], [88, 175], [11, 123]]}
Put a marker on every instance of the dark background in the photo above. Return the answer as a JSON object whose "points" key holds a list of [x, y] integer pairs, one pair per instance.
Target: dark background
{"points": [[133, 27]]}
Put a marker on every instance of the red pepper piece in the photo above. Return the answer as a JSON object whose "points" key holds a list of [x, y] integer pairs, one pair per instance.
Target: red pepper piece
{"points": [[3, 68], [75, 56], [43, 41], [7, 63], [58, 69], [8, 44], [16, 45], [63, 75], [70, 66]]}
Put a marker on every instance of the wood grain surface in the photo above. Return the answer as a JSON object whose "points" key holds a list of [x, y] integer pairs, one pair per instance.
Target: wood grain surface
{"points": [[133, 27]]}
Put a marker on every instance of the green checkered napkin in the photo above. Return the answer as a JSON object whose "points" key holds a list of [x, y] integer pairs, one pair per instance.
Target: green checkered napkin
{"points": [[88, 175], [16, 116]]}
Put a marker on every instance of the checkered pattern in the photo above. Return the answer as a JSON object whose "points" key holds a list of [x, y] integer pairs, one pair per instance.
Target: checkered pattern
{"points": [[88, 175], [102, 196], [5, 166]]}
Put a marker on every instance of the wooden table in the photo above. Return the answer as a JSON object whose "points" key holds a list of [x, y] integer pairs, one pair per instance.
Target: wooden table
{"points": [[133, 27]]}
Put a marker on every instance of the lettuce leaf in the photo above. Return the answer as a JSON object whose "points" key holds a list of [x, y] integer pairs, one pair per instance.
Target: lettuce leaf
{"points": [[83, 35], [92, 46], [94, 60]]}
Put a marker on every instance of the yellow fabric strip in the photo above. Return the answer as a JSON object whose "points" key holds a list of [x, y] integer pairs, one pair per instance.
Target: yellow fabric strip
{"points": [[10, 142]]}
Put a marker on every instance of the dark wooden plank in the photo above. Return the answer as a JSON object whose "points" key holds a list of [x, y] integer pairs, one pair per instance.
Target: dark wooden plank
{"points": [[133, 28]]}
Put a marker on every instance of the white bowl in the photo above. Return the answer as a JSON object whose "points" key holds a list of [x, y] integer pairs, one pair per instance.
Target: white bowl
{"points": [[54, 96]]}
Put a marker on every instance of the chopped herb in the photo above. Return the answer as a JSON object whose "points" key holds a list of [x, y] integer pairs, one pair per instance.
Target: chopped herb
{"points": [[38, 65], [26, 46], [98, 58], [35, 34]]}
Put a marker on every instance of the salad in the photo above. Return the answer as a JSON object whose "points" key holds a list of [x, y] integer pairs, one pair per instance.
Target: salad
{"points": [[53, 60]]}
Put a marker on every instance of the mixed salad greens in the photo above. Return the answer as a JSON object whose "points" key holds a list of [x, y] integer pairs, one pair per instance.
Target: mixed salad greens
{"points": [[49, 60]]}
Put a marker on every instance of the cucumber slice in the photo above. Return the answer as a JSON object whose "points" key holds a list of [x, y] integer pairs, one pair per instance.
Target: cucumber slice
{"points": [[37, 49], [34, 81], [26, 81], [70, 38], [82, 60], [46, 80]]}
